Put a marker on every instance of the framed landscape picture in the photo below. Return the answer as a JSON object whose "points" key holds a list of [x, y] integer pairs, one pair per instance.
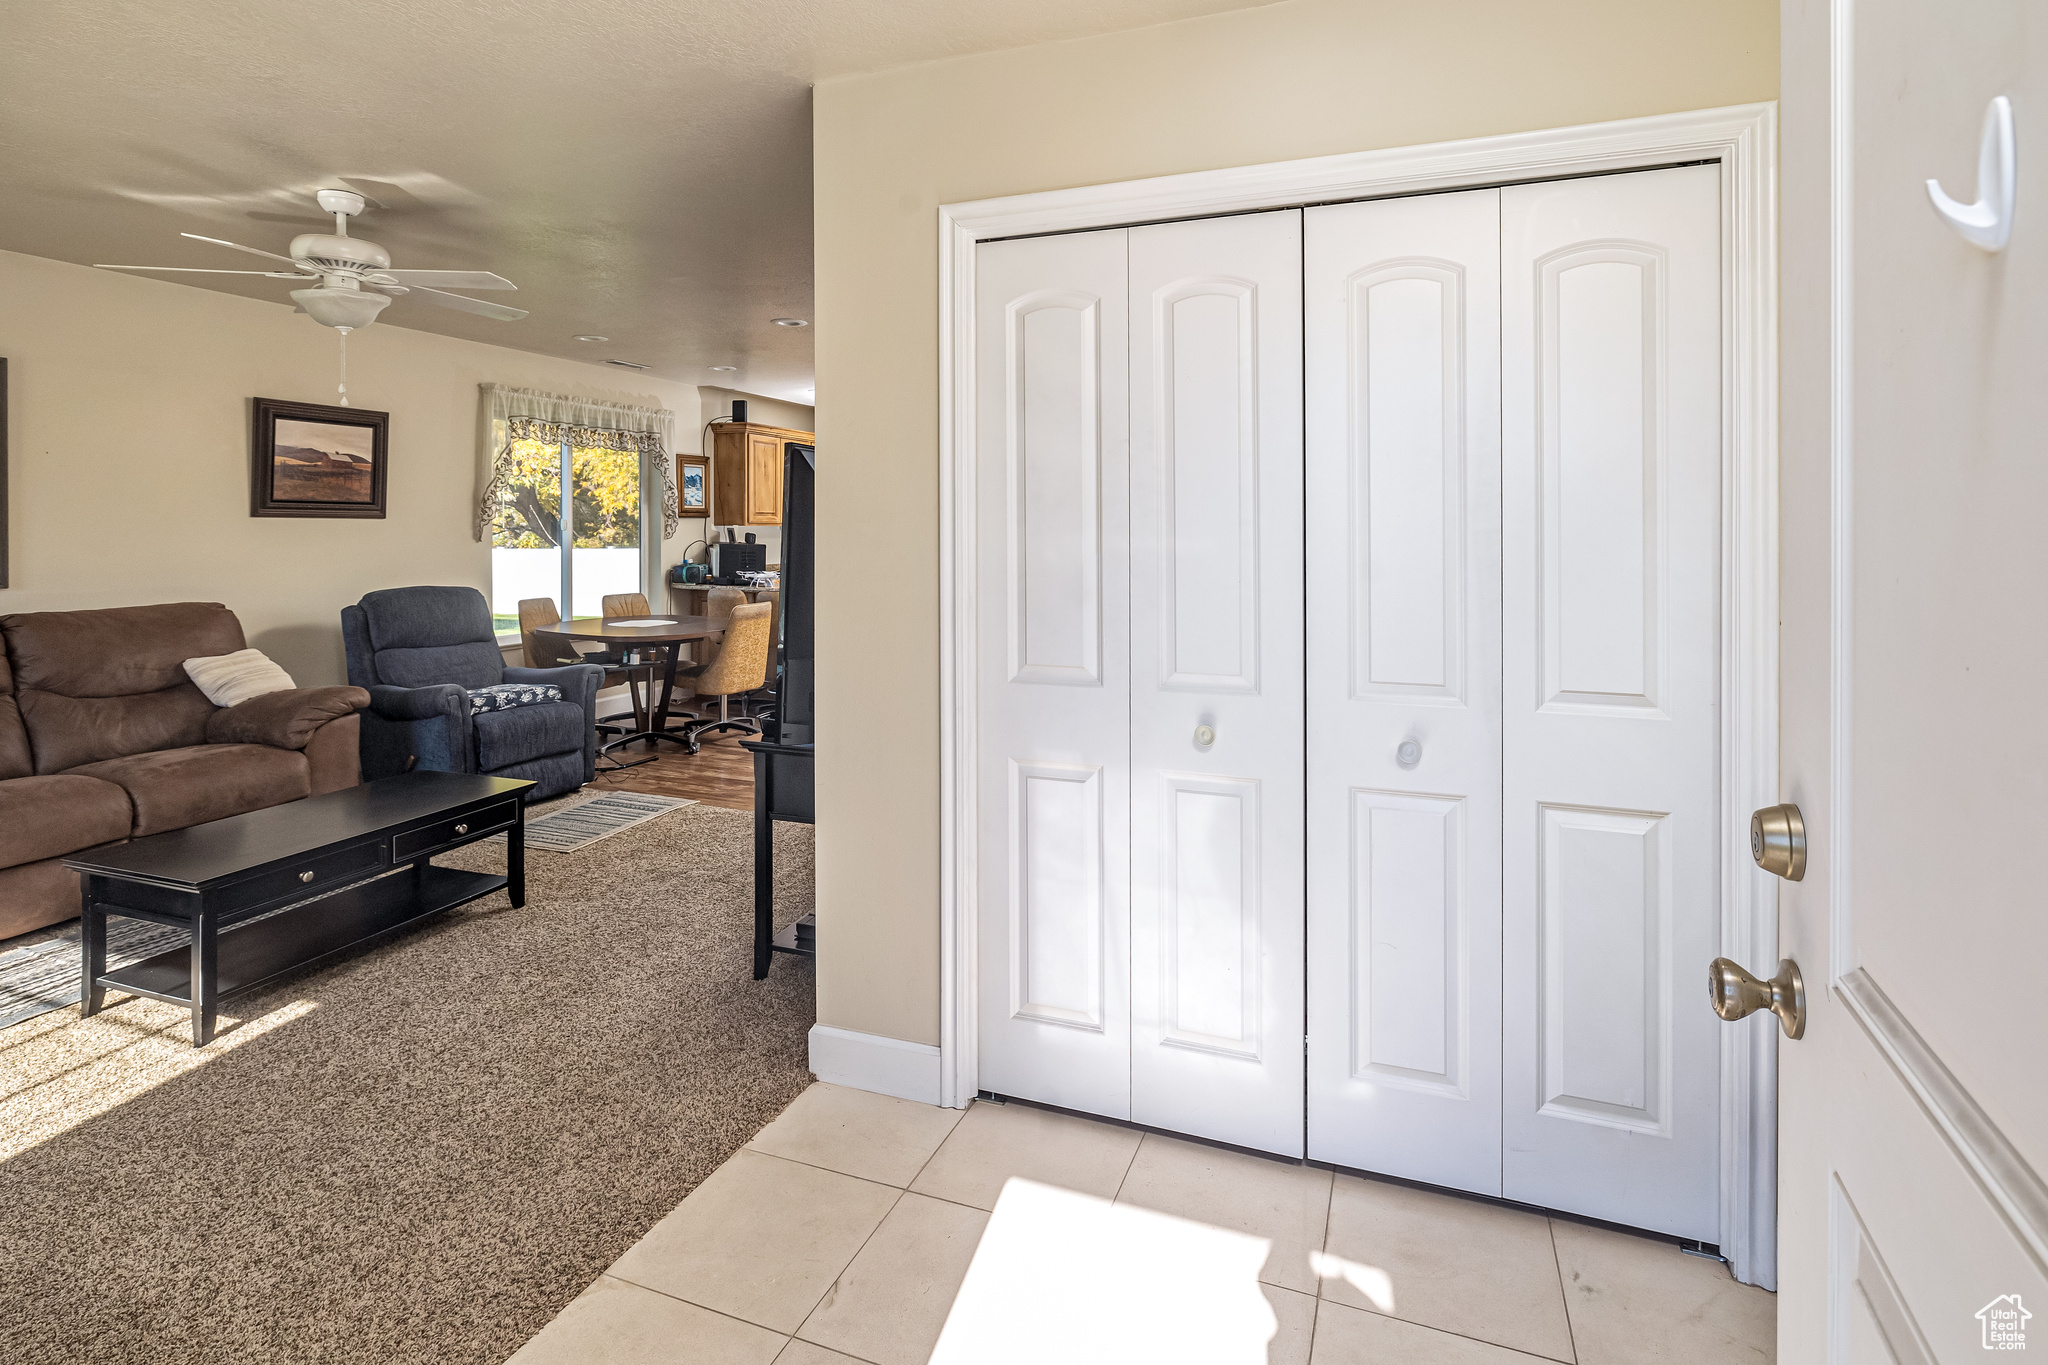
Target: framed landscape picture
{"points": [[693, 485], [312, 460]]}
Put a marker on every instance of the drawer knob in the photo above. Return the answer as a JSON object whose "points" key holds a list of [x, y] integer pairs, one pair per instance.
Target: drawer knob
{"points": [[462, 829], [305, 876]]}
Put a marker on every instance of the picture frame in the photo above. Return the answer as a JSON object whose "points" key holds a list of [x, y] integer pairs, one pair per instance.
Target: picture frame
{"points": [[693, 485], [316, 460]]}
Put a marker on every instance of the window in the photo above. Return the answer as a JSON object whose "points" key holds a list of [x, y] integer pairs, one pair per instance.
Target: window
{"points": [[575, 555]]}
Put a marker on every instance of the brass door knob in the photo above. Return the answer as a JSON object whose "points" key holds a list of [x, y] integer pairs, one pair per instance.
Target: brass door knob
{"points": [[1777, 840], [1737, 994]]}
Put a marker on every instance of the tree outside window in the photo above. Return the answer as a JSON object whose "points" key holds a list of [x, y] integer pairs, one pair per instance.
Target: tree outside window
{"points": [[602, 554]]}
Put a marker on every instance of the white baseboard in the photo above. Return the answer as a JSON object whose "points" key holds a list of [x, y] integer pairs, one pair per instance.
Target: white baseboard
{"points": [[868, 1061]]}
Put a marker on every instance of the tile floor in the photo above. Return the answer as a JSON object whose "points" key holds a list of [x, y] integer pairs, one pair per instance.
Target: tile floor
{"points": [[842, 1233]]}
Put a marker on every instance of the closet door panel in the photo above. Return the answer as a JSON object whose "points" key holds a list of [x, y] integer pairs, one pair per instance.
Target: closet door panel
{"points": [[1053, 714], [1403, 851], [1216, 640], [1611, 307]]}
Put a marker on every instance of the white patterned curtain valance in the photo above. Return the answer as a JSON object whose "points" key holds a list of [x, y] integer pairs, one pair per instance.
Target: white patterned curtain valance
{"points": [[510, 414]]}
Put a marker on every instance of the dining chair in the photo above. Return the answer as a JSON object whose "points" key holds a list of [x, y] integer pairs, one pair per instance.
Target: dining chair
{"points": [[551, 651], [618, 604], [741, 667]]}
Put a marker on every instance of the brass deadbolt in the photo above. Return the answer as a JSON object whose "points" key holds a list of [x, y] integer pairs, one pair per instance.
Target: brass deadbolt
{"points": [[1777, 840], [1737, 994]]}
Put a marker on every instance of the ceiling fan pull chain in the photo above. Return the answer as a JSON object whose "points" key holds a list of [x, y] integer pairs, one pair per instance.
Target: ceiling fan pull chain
{"points": [[344, 364]]}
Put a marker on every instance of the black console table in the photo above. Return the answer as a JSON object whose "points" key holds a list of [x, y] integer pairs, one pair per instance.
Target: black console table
{"points": [[782, 791], [209, 877]]}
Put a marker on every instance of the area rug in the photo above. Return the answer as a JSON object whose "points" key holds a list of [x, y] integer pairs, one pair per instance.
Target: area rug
{"points": [[420, 1154], [583, 824]]}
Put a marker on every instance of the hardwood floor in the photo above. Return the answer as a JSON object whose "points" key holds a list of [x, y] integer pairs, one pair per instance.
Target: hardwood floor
{"points": [[721, 775]]}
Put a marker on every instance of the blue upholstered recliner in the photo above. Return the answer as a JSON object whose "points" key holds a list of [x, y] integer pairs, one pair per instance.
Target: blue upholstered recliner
{"points": [[418, 651]]}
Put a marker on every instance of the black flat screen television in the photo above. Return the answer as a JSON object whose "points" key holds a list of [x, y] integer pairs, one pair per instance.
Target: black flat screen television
{"points": [[799, 606]]}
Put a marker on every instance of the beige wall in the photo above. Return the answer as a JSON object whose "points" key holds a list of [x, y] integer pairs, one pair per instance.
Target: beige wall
{"points": [[130, 453], [1303, 78]]}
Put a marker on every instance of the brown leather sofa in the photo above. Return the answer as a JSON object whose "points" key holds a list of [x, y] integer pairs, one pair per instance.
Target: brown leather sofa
{"points": [[103, 738]]}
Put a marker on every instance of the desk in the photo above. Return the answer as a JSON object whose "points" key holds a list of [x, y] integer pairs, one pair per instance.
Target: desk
{"points": [[691, 598], [668, 633]]}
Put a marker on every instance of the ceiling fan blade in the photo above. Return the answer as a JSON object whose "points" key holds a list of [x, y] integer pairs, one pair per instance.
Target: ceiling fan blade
{"points": [[450, 279], [199, 270], [237, 246], [465, 305]]}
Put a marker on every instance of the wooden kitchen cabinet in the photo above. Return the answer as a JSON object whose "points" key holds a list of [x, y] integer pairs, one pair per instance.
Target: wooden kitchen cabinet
{"points": [[746, 472]]}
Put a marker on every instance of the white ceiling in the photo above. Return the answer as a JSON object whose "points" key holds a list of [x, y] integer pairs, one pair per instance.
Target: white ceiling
{"points": [[641, 169]]}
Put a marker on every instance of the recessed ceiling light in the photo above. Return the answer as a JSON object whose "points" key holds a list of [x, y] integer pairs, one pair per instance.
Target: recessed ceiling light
{"points": [[725, 369], [792, 322], [629, 364], [589, 338]]}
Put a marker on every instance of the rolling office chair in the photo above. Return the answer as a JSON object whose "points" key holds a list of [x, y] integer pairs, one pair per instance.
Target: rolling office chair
{"points": [[740, 667], [719, 605]]}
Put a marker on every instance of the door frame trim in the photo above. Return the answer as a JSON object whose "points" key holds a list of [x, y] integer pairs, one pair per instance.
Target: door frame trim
{"points": [[1744, 140]]}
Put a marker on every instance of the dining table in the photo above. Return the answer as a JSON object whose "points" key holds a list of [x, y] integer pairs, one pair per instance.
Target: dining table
{"points": [[658, 634]]}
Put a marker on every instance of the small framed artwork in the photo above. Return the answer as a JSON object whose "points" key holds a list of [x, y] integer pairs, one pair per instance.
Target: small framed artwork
{"points": [[693, 485], [312, 460]]}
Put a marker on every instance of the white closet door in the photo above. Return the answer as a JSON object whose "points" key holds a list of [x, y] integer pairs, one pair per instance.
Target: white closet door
{"points": [[1216, 623], [1611, 417], [1053, 652], [1402, 307]]}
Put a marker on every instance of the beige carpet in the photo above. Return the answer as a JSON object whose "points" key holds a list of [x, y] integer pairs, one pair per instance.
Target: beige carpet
{"points": [[421, 1154]]}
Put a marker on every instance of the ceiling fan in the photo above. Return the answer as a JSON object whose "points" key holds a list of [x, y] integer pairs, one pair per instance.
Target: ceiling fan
{"points": [[352, 279]]}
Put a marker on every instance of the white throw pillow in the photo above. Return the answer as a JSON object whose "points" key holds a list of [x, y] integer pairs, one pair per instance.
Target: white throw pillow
{"points": [[231, 679]]}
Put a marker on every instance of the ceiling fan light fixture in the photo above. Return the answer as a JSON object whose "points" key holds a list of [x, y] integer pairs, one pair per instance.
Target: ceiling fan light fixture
{"points": [[341, 307]]}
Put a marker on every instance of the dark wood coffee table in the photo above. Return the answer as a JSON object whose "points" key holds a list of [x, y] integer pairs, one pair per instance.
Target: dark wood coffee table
{"points": [[211, 876]]}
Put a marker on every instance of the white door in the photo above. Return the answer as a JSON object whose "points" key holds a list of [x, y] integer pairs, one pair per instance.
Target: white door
{"points": [[1052, 652], [1403, 424], [1611, 457], [1914, 1113], [1216, 679]]}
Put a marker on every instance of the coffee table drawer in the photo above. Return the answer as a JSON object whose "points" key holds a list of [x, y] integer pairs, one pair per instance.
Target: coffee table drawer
{"points": [[428, 839], [315, 870]]}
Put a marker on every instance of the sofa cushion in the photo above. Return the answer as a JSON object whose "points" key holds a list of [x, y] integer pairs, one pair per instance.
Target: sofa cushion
{"points": [[47, 817], [102, 684], [119, 652], [173, 788], [69, 731], [527, 732], [16, 759]]}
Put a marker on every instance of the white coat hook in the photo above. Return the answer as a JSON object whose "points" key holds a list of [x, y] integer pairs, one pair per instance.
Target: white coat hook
{"points": [[1988, 222]]}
